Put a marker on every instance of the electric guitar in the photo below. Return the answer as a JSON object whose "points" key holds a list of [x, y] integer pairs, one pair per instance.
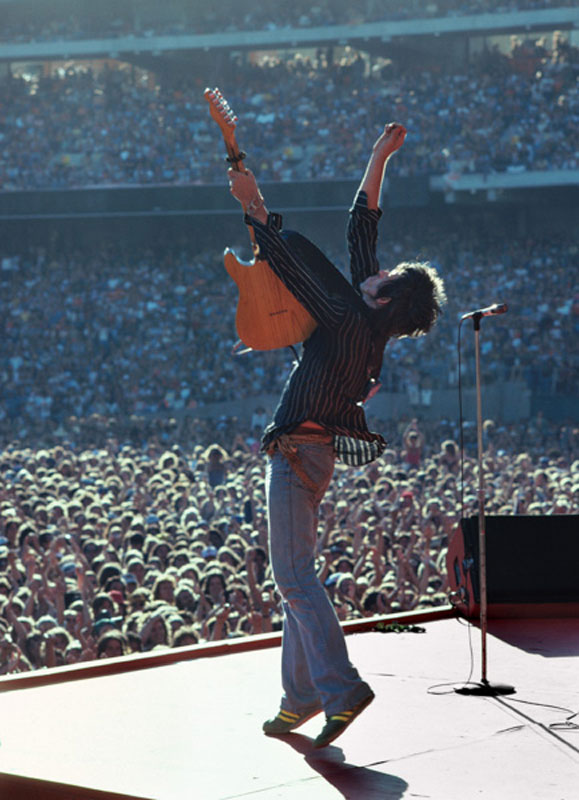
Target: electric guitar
{"points": [[268, 316]]}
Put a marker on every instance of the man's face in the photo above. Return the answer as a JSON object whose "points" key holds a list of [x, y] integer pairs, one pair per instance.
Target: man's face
{"points": [[373, 284]]}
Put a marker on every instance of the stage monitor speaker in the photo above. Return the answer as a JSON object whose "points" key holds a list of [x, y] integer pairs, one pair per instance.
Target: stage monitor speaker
{"points": [[532, 565]]}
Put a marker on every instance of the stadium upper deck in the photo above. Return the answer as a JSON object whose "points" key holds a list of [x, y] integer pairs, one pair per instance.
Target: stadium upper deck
{"points": [[78, 28], [63, 131]]}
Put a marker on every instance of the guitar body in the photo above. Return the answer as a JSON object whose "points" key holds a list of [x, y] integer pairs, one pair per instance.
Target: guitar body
{"points": [[268, 315]]}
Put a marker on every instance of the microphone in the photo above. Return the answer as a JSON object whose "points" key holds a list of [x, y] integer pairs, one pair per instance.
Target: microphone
{"points": [[497, 308]]}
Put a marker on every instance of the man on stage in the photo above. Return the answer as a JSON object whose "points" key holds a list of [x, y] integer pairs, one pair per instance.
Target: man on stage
{"points": [[321, 417]]}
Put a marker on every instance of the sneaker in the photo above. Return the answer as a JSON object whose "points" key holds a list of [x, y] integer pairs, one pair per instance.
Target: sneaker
{"points": [[286, 721], [336, 724]]}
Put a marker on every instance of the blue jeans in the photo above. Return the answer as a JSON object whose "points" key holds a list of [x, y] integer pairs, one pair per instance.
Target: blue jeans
{"points": [[316, 671]]}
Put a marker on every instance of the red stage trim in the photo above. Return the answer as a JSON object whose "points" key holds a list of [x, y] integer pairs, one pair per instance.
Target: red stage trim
{"points": [[115, 666]]}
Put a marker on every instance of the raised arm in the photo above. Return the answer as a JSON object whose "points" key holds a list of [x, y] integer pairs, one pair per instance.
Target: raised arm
{"points": [[391, 139], [365, 213]]}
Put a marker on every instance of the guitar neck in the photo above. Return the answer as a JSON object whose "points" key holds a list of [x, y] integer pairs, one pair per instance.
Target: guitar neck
{"points": [[226, 120], [235, 155]]}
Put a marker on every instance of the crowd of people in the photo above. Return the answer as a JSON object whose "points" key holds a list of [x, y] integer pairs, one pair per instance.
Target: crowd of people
{"points": [[131, 522], [82, 22], [142, 333], [119, 549], [504, 113]]}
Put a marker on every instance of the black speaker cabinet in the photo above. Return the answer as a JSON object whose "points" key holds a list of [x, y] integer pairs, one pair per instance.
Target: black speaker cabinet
{"points": [[532, 565]]}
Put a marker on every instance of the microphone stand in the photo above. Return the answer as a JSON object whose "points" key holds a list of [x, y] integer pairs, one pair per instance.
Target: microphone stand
{"points": [[484, 688]]}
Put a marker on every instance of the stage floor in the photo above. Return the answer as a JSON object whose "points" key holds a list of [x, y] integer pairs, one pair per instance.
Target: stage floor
{"points": [[192, 730]]}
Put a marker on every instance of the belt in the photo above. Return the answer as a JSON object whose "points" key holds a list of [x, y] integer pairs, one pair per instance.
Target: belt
{"points": [[286, 444]]}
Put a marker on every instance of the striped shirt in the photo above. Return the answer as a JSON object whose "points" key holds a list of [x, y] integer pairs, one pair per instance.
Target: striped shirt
{"points": [[330, 381]]}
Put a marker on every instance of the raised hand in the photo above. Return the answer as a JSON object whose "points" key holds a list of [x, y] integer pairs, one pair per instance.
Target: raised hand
{"points": [[244, 188], [390, 140]]}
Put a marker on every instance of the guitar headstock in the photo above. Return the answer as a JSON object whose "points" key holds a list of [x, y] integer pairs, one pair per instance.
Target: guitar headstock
{"points": [[222, 113]]}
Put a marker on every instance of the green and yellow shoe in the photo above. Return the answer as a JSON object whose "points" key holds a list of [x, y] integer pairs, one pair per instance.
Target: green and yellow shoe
{"points": [[286, 721], [336, 724]]}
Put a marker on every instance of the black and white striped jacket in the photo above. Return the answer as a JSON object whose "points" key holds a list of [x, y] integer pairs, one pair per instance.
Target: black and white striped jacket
{"points": [[330, 381]]}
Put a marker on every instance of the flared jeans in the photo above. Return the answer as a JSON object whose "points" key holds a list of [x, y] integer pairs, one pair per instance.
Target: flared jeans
{"points": [[316, 670]]}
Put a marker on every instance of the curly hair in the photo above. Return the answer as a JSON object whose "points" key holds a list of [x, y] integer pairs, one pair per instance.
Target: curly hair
{"points": [[417, 297]]}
